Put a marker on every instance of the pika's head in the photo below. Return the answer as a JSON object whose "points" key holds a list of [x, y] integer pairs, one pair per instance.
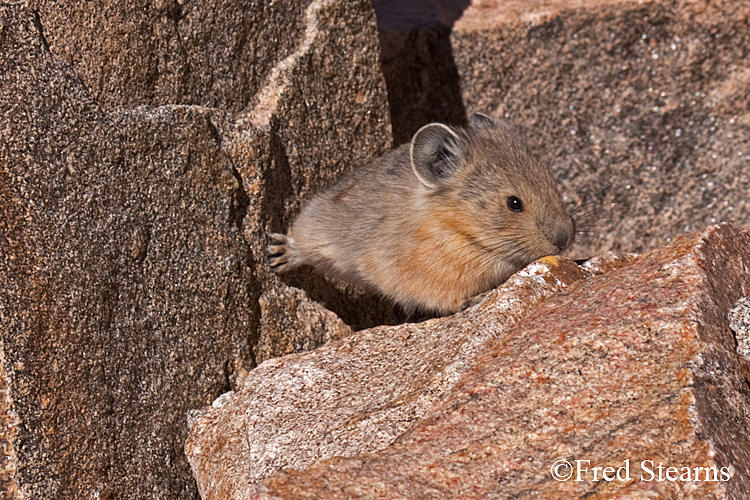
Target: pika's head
{"points": [[516, 213]]}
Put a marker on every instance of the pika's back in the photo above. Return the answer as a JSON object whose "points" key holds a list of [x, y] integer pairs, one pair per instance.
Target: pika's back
{"points": [[434, 222]]}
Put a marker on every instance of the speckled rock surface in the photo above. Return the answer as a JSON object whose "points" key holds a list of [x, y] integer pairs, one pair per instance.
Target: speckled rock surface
{"points": [[8, 433], [135, 52], [648, 98], [636, 365], [291, 322], [358, 395], [739, 322], [131, 239]]}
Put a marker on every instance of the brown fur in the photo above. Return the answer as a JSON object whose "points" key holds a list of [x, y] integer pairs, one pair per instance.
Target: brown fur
{"points": [[428, 224]]}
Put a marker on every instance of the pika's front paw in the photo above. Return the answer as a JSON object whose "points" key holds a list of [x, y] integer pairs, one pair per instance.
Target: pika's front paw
{"points": [[278, 252]]}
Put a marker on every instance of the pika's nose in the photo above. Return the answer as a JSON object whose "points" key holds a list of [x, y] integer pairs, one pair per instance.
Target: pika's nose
{"points": [[564, 235]]}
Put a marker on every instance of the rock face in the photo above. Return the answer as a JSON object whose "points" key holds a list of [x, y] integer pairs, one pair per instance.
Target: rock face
{"points": [[8, 433], [641, 108], [137, 147], [632, 368], [353, 396], [739, 318], [214, 54]]}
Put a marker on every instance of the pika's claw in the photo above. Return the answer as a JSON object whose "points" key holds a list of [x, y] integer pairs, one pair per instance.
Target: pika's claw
{"points": [[278, 264], [279, 238], [279, 253], [278, 245], [279, 260], [275, 250]]}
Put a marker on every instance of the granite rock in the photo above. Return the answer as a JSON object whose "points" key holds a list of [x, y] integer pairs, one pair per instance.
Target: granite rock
{"points": [[739, 318], [8, 433], [137, 52], [291, 322], [356, 395], [640, 108], [133, 220], [634, 366]]}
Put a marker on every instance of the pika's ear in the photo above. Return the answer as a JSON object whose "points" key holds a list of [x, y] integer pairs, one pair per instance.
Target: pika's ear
{"points": [[480, 120], [435, 153]]}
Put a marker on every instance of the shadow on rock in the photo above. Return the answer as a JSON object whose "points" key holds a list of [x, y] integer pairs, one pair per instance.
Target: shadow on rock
{"points": [[418, 65]]}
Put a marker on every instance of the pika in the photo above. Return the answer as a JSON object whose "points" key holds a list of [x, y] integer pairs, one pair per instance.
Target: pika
{"points": [[433, 223]]}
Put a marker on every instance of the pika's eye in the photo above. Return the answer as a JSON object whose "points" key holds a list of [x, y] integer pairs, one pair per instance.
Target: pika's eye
{"points": [[514, 204]]}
